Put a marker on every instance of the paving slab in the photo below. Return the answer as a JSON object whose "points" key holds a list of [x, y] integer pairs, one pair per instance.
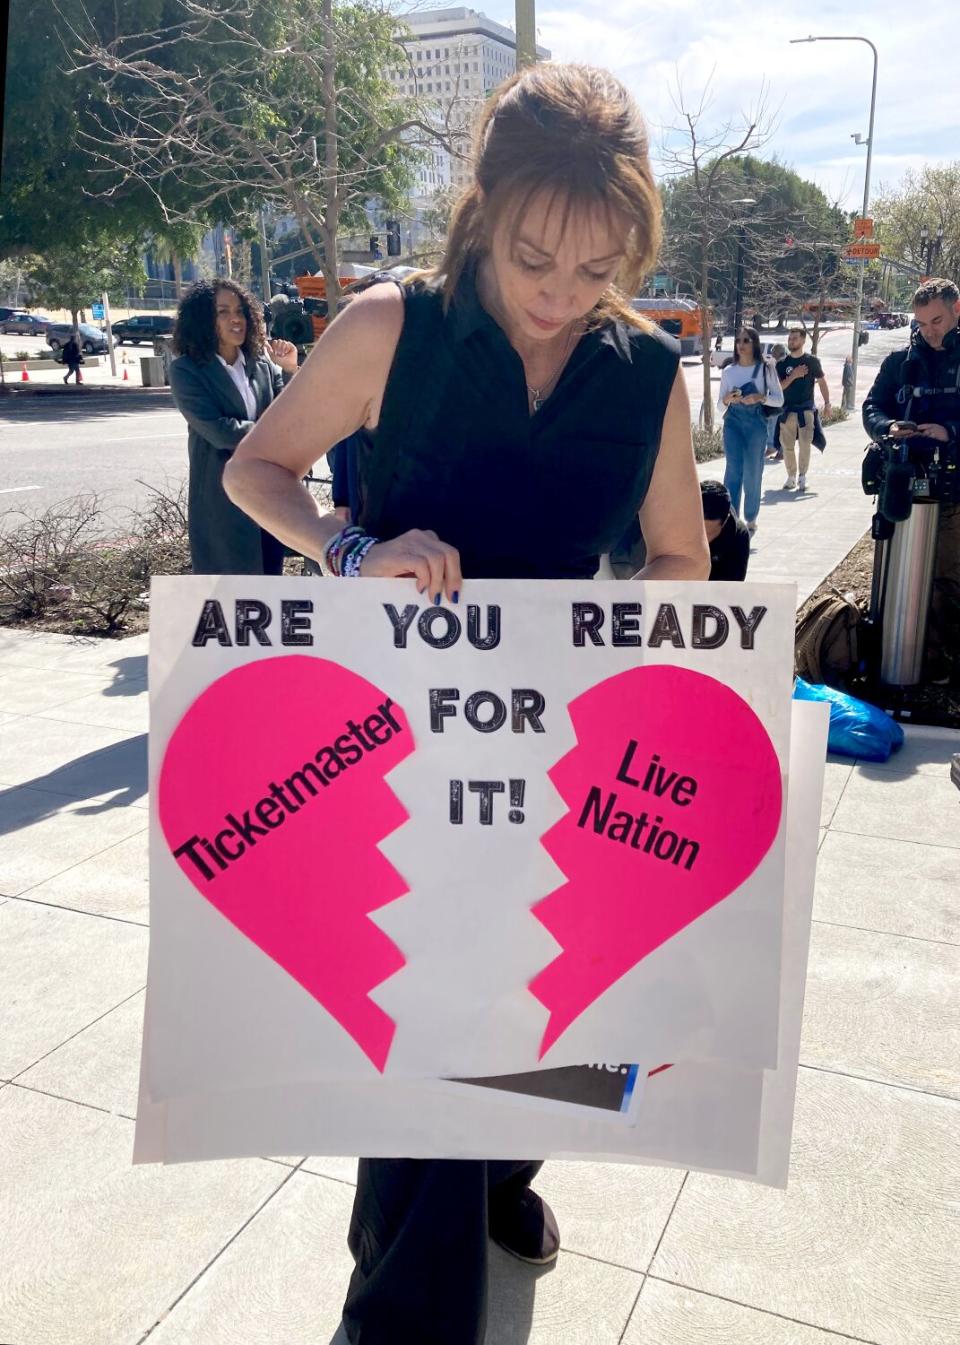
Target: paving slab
{"points": [[610, 1211], [94, 1251], [70, 653], [884, 1008], [337, 1169], [862, 1243], [127, 712], [283, 1280], [73, 757], [835, 779], [61, 971], [894, 887], [925, 749], [32, 691], [577, 1301], [100, 1066], [43, 835], [905, 807], [669, 1315], [113, 883]]}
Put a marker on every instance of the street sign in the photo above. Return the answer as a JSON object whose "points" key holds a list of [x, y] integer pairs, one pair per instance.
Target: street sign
{"points": [[96, 311], [856, 261], [868, 251], [863, 228]]}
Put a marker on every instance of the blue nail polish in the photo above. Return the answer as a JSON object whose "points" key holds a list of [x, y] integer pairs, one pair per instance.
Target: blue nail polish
{"points": [[436, 600], [456, 595]]}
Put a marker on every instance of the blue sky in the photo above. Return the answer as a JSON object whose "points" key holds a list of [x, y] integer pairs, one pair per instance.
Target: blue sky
{"points": [[819, 93]]}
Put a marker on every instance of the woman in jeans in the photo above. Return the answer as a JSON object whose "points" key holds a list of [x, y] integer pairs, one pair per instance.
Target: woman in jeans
{"points": [[747, 384], [514, 414]]}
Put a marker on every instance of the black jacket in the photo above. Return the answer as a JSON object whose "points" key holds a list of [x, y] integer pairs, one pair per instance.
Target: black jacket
{"points": [[916, 384], [730, 550], [223, 539]]}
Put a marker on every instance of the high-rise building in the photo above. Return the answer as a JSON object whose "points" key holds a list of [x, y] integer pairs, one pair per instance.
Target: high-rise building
{"points": [[454, 58]]}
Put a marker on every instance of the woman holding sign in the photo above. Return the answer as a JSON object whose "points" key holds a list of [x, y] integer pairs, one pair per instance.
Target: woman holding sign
{"points": [[514, 414]]}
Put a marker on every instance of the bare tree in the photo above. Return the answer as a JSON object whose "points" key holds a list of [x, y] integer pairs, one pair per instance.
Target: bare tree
{"points": [[694, 149], [286, 102]]}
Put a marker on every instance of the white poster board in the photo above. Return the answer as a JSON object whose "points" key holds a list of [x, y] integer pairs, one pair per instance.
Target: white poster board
{"points": [[390, 839], [710, 1116]]}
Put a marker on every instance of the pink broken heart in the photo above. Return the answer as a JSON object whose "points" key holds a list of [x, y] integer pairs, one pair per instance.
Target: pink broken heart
{"points": [[272, 799], [695, 808]]}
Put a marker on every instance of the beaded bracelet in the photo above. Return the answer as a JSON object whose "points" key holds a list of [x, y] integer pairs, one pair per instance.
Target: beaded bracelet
{"points": [[350, 568], [333, 551]]}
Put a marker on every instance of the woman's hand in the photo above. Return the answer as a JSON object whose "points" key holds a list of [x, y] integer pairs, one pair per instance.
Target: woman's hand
{"points": [[752, 399], [283, 353], [734, 396], [434, 565]]}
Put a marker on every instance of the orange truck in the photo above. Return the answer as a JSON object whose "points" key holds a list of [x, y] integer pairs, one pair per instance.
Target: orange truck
{"points": [[682, 318]]}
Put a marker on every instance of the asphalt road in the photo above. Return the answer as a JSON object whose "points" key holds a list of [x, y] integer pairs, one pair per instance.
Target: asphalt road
{"points": [[54, 448]]}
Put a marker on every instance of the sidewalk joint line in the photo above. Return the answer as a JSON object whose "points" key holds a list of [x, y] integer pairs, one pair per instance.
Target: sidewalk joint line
{"points": [[230, 1241], [76, 910], [752, 1307], [901, 840], [73, 1101], [663, 1231], [890, 933], [633, 1308], [120, 1004], [880, 1083]]}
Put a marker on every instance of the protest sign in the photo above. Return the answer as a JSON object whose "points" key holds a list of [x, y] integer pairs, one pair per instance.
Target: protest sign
{"points": [[396, 839], [708, 1115]]}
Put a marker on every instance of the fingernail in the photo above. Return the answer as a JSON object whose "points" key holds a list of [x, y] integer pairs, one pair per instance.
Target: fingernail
{"points": [[456, 595], [436, 600]]}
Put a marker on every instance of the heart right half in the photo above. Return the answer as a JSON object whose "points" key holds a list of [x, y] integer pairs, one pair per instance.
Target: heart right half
{"points": [[675, 796]]}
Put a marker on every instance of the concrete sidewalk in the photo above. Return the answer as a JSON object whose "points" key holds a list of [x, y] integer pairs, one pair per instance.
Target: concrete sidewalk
{"points": [[93, 1251]]}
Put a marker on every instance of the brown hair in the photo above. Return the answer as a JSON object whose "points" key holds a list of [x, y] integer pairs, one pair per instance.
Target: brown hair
{"points": [[937, 288], [798, 331], [575, 133]]}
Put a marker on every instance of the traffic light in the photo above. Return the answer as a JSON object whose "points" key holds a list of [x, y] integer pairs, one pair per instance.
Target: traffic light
{"points": [[393, 238]]}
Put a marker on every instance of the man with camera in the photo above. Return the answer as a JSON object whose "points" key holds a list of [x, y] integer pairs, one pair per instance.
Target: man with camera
{"points": [[916, 397]]}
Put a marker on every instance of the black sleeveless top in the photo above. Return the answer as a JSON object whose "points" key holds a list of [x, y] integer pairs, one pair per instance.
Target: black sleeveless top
{"points": [[520, 496]]}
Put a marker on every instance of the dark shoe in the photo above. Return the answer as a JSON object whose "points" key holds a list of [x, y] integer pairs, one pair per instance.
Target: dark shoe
{"points": [[526, 1228]]}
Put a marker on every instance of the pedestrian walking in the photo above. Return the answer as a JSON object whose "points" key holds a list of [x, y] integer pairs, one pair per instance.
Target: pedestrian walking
{"points": [[226, 375], [516, 414], [747, 385], [73, 358], [774, 451], [799, 422], [847, 382]]}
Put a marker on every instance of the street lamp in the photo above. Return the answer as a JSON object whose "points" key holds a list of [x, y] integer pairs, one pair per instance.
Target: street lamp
{"points": [[858, 315], [738, 301]]}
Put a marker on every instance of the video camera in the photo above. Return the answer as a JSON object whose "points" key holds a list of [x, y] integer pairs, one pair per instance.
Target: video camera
{"points": [[292, 316], [899, 471]]}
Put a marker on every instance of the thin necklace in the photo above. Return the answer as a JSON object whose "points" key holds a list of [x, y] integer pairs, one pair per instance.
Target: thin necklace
{"points": [[538, 393]]}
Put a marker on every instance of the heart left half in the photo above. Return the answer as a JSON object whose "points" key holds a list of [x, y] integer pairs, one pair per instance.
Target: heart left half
{"points": [[272, 800]]}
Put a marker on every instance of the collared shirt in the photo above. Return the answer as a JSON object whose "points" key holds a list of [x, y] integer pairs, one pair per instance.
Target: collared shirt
{"points": [[518, 495], [238, 372]]}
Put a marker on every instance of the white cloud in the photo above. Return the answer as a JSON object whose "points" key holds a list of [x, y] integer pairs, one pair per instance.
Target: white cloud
{"points": [[821, 91]]}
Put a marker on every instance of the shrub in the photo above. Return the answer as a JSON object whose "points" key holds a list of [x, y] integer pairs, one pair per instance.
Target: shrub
{"points": [[707, 444], [55, 565], [837, 415]]}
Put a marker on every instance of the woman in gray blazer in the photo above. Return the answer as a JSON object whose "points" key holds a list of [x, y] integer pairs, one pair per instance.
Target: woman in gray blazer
{"points": [[226, 375]]}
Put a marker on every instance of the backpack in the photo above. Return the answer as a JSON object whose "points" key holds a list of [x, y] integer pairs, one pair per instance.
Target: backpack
{"points": [[826, 648]]}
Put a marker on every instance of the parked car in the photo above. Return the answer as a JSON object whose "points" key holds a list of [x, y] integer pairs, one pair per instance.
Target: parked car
{"points": [[92, 339], [142, 328], [24, 324]]}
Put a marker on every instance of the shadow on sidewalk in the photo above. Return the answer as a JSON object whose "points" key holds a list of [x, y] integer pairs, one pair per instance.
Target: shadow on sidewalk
{"points": [[119, 771], [129, 678]]}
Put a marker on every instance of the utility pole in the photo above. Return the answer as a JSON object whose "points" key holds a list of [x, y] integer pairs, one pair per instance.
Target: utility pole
{"points": [[264, 257], [526, 25]]}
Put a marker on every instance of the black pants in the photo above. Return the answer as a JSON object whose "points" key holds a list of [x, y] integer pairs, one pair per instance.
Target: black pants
{"points": [[419, 1238]]}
